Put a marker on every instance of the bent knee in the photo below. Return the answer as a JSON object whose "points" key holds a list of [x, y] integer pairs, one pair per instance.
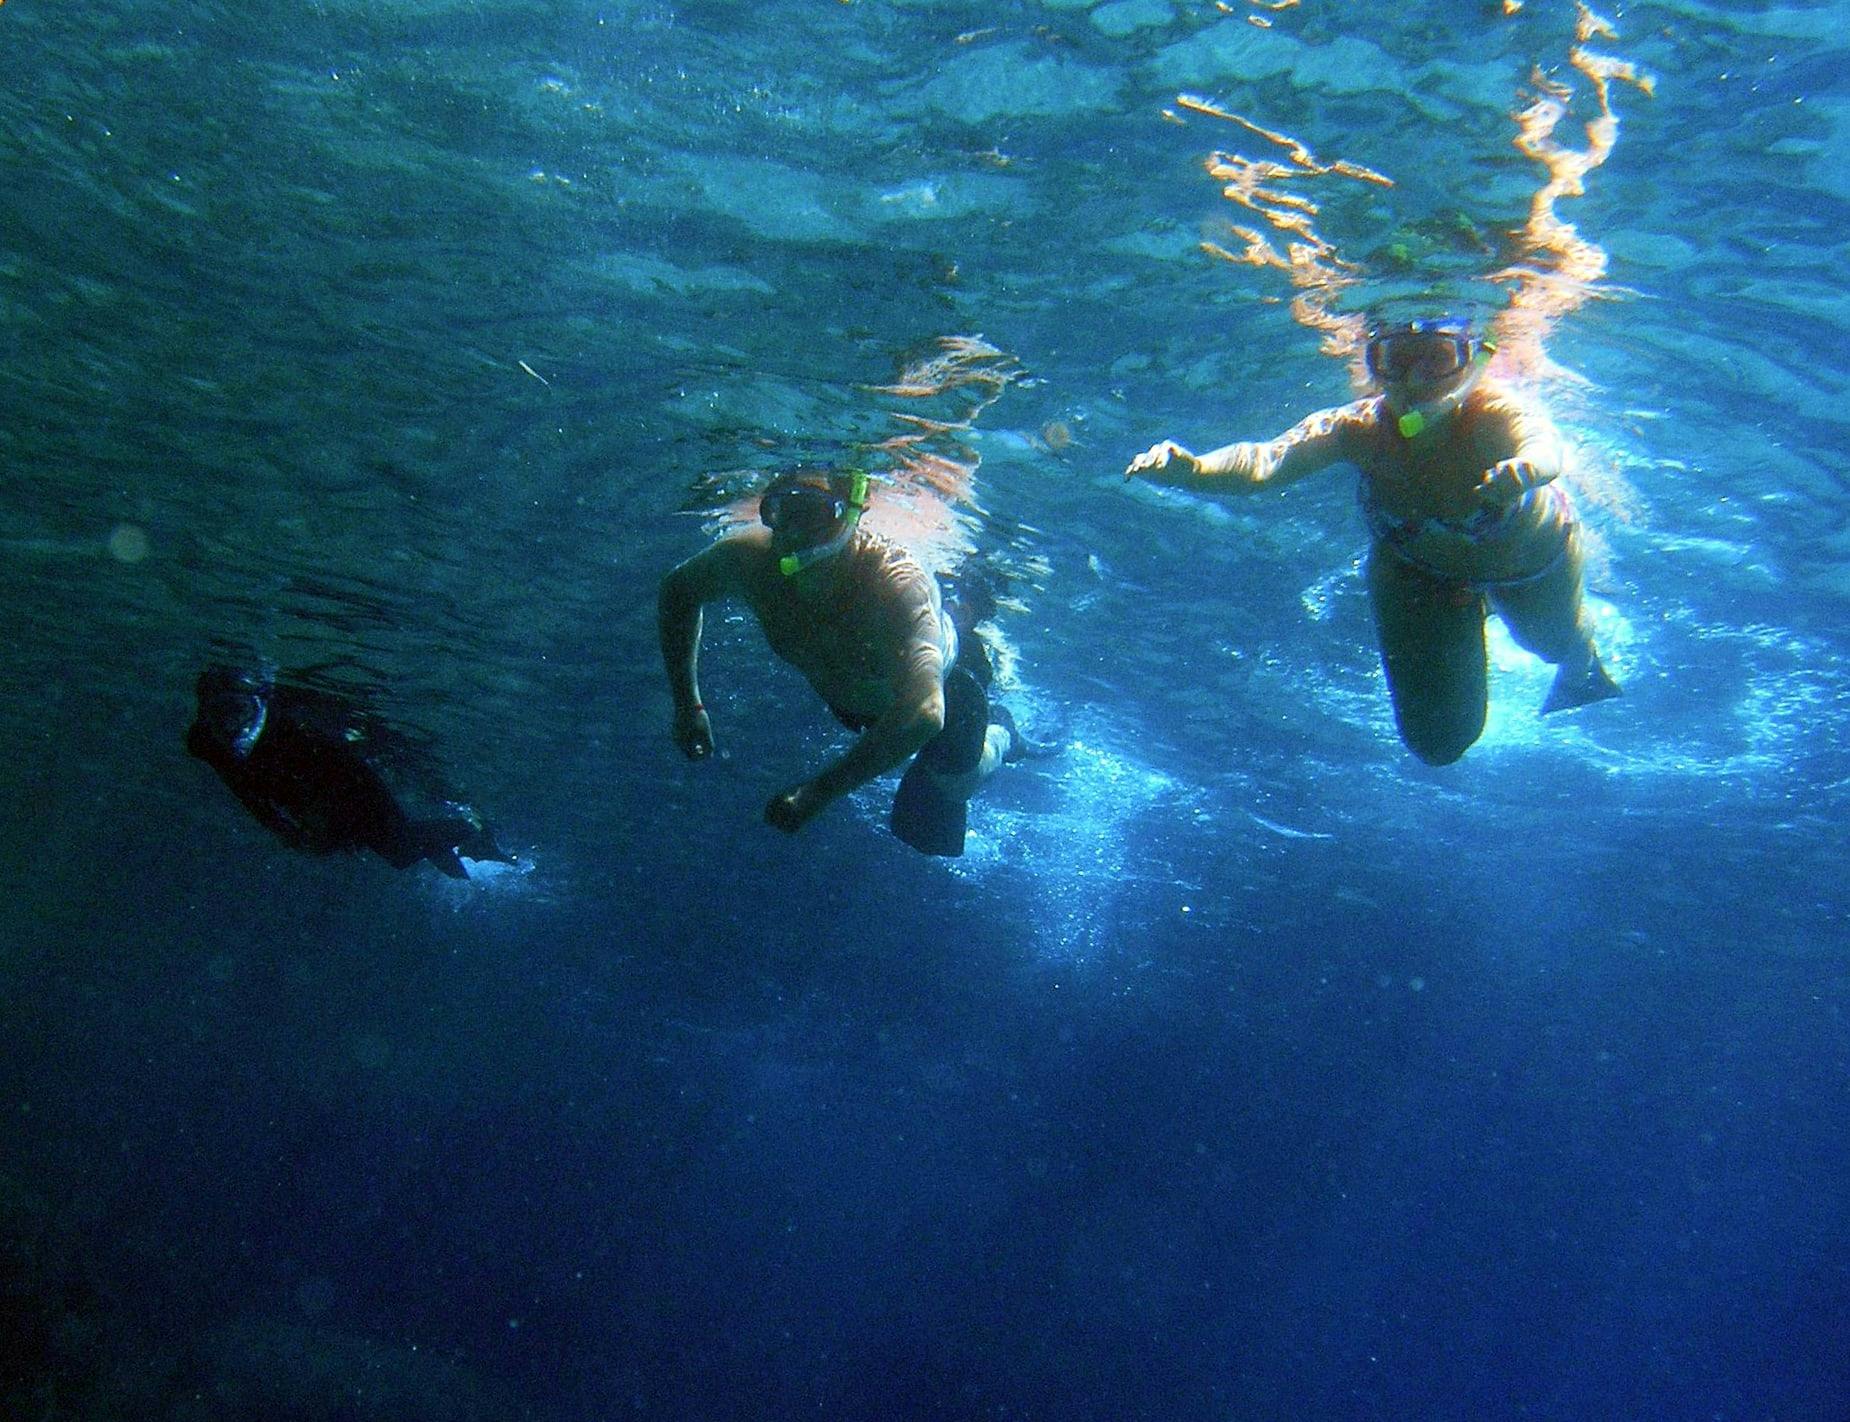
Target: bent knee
{"points": [[1439, 752]]}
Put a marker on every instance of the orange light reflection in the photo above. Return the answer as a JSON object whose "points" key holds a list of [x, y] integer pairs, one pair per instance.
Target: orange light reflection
{"points": [[923, 495], [1557, 270], [1311, 263]]}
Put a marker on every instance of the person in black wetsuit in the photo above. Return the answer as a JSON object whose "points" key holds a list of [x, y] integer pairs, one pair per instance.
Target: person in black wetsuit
{"points": [[325, 776], [867, 625]]}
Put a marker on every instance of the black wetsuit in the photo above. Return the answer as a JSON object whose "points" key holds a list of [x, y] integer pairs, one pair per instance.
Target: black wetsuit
{"points": [[315, 771]]}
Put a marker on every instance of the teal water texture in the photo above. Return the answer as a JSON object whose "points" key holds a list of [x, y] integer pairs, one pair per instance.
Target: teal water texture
{"points": [[1244, 1067]]}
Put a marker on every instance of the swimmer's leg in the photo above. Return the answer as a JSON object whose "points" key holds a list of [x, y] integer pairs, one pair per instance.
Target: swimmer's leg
{"points": [[1547, 617], [441, 852], [931, 810], [1432, 649], [970, 598]]}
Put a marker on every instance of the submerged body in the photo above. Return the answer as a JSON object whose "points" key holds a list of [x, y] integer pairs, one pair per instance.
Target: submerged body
{"points": [[867, 630], [312, 769], [1458, 490], [867, 627]]}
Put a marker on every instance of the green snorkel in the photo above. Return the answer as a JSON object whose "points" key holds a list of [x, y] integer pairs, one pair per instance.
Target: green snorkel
{"points": [[793, 563], [1413, 423]]}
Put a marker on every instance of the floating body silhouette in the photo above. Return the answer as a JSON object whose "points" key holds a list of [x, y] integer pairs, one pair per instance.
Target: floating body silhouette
{"points": [[325, 775]]}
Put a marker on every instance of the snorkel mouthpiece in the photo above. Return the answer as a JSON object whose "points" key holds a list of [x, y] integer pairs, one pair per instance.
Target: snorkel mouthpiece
{"points": [[793, 563], [1413, 423]]}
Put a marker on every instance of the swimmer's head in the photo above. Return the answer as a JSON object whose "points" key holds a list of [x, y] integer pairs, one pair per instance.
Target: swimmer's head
{"points": [[1425, 367], [812, 514], [233, 706]]}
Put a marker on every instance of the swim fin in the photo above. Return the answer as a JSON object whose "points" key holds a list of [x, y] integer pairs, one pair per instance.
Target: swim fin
{"points": [[447, 861], [1020, 747], [444, 842], [1580, 686], [927, 818]]}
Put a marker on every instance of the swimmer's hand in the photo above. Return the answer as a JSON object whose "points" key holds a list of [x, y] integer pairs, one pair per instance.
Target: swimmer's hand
{"points": [[1157, 456], [693, 732], [1503, 484], [794, 808]]}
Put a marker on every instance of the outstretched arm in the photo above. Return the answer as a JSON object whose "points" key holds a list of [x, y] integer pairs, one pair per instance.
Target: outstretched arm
{"points": [[704, 578], [1313, 443]]}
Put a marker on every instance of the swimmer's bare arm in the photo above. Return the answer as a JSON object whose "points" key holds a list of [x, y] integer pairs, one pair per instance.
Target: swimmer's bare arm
{"points": [[1536, 458], [914, 717], [1313, 443], [716, 572]]}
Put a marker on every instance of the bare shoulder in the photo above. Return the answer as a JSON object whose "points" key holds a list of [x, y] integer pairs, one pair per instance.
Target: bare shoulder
{"points": [[1336, 429], [1365, 411], [1361, 416], [885, 571], [1496, 402], [733, 565], [1340, 432]]}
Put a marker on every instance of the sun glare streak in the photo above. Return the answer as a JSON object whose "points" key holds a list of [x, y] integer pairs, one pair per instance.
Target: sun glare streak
{"points": [[1077, 855], [1558, 270], [1555, 269], [1310, 262], [928, 486]]}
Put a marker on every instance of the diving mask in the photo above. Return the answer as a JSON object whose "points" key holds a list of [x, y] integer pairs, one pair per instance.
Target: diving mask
{"points": [[1420, 352], [810, 511], [1425, 354]]}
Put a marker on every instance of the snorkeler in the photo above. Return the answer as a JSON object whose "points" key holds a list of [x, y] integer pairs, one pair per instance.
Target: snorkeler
{"points": [[1458, 490], [867, 625], [325, 776]]}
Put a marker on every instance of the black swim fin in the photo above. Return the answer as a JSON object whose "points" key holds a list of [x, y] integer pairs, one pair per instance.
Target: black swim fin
{"points": [[1580, 686], [925, 817], [446, 860], [444, 842]]}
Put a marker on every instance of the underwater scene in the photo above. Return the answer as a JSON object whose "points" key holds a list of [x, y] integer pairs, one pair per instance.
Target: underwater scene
{"points": [[1051, 709]]}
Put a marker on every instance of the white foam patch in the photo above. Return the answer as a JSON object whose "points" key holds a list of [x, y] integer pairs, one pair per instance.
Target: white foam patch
{"points": [[1821, 22], [1014, 79], [775, 201], [1788, 693], [1119, 18], [489, 881], [938, 198], [1790, 699], [652, 276], [1078, 859]]}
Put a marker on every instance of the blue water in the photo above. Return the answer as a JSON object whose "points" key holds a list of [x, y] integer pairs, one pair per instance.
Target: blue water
{"points": [[1244, 1067]]}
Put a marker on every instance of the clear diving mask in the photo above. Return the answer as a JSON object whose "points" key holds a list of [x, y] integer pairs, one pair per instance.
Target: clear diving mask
{"points": [[811, 512]]}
